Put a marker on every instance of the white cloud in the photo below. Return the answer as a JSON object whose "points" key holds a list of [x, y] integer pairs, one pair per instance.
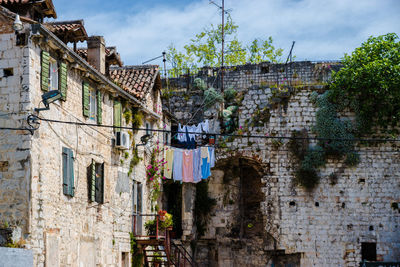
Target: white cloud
{"points": [[322, 29]]}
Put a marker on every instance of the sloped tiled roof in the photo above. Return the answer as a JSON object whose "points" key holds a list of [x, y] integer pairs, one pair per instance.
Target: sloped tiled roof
{"points": [[46, 6], [136, 80], [68, 31]]}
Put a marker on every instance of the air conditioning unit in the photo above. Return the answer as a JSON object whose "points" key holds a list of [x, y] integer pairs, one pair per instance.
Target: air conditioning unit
{"points": [[122, 140]]}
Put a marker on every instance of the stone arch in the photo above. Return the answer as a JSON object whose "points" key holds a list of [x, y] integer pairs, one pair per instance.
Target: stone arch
{"points": [[250, 171]]}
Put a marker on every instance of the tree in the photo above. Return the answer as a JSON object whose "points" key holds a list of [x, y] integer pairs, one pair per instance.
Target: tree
{"points": [[369, 84], [205, 49]]}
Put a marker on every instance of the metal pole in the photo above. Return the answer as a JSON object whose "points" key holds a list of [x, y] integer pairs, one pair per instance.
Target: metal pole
{"points": [[222, 51]]}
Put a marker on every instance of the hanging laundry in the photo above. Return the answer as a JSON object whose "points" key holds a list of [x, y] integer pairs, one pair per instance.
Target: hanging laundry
{"points": [[211, 151], [178, 164], [205, 125], [205, 163], [169, 157], [181, 136], [192, 130], [187, 166], [197, 165]]}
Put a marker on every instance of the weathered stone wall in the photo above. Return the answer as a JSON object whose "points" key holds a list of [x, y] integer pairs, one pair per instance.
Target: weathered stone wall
{"points": [[63, 230], [15, 156], [324, 227]]}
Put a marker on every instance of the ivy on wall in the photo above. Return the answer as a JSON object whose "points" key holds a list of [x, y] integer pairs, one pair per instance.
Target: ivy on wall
{"points": [[368, 85]]}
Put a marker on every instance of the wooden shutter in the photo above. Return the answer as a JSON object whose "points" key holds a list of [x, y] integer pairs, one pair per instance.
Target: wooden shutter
{"points": [[68, 171], [45, 70], [85, 99], [117, 115], [63, 73], [99, 107], [71, 188], [92, 181], [100, 183], [65, 156]]}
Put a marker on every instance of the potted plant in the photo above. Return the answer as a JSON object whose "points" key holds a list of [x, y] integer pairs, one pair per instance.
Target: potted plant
{"points": [[165, 220], [164, 223]]}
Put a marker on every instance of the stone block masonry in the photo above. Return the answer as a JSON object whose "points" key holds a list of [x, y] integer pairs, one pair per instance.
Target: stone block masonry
{"points": [[62, 230], [351, 206]]}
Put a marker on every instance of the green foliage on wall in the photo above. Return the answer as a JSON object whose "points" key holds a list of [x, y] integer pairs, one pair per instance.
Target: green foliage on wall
{"points": [[335, 139], [369, 84], [137, 255]]}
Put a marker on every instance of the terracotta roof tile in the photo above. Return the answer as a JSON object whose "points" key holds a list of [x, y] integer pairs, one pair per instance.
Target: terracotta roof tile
{"points": [[46, 6], [14, 2], [136, 80], [68, 31]]}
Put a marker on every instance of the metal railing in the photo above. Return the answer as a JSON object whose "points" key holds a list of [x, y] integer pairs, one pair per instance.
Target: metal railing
{"points": [[180, 256], [157, 233], [176, 253]]}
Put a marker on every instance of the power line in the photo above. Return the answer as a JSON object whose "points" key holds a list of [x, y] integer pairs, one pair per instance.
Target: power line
{"points": [[13, 129], [267, 136]]}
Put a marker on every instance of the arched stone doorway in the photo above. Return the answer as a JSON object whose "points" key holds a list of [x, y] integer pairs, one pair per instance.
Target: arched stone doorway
{"points": [[236, 233]]}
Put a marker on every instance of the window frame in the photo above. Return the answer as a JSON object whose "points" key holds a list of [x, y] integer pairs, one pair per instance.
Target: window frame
{"points": [[54, 79], [96, 169], [93, 104]]}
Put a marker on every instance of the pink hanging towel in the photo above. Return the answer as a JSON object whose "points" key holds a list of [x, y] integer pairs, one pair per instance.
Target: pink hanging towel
{"points": [[187, 166]]}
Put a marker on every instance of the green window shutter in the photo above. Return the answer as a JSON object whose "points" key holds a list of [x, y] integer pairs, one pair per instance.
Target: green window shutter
{"points": [[63, 80], [99, 107], [91, 175], [85, 99], [45, 70], [100, 183], [65, 155], [117, 115], [93, 182], [71, 173], [68, 171]]}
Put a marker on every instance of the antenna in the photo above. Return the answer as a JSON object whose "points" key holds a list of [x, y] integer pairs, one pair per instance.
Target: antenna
{"points": [[290, 53], [223, 41]]}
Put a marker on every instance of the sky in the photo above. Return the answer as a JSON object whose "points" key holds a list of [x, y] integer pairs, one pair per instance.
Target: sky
{"points": [[322, 29]]}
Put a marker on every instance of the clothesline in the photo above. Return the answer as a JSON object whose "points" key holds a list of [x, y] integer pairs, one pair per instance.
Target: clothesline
{"points": [[189, 165], [187, 133]]}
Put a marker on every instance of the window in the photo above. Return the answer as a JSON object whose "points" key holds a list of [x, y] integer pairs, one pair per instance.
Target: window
{"points": [[68, 171], [95, 175], [368, 251], [117, 115], [53, 75], [92, 104], [92, 101], [148, 128]]}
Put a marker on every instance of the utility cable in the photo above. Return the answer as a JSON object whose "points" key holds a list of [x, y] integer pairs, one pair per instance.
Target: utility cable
{"points": [[222, 134]]}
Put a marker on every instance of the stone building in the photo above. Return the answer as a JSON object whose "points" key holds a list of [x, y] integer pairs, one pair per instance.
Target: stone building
{"points": [[71, 176], [261, 216]]}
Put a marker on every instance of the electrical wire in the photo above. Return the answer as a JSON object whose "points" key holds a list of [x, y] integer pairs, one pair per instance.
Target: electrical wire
{"points": [[266, 136], [13, 129]]}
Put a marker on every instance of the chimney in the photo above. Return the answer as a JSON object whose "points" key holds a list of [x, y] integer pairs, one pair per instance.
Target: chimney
{"points": [[96, 53]]}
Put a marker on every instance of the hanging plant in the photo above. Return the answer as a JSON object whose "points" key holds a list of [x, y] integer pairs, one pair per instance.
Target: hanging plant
{"points": [[154, 173]]}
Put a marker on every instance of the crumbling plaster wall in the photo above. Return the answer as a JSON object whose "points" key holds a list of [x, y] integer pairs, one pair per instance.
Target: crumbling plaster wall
{"points": [[327, 226]]}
